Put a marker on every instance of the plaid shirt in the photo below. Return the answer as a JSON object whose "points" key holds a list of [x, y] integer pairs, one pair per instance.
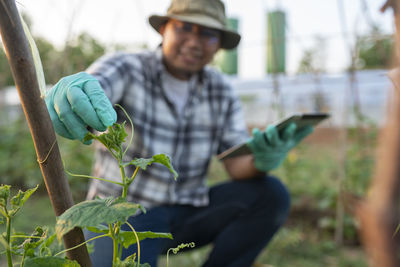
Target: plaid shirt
{"points": [[211, 122]]}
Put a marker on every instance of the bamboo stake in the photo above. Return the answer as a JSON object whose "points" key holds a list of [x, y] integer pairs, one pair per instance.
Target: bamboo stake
{"points": [[47, 151], [379, 212]]}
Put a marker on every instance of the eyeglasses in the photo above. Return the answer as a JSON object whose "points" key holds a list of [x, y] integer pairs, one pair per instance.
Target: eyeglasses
{"points": [[207, 35]]}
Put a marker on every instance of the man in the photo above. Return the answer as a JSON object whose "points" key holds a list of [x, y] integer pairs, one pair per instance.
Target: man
{"points": [[182, 108]]}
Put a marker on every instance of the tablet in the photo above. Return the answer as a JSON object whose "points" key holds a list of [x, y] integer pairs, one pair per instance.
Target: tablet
{"points": [[302, 120]]}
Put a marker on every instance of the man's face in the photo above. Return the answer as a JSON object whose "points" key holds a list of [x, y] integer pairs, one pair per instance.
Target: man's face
{"points": [[187, 47]]}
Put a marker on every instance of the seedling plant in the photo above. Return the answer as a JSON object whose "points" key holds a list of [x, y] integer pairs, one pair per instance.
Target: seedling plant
{"points": [[102, 216]]}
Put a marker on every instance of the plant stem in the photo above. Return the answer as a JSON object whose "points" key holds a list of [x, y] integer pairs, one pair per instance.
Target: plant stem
{"points": [[92, 177], [168, 255], [133, 175], [26, 236], [23, 259], [132, 129], [121, 247], [124, 181], [137, 241], [117, 228], [115, 244], [8, 239], [81, 244]]}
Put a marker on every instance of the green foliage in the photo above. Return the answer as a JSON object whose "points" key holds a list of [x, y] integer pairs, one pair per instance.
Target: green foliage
{"points": [[313, 59], [375, 50], [18, 160], [112, 139], [113, 212], [360, 159], [93, 213], [129, 238], [81, 52], [130, 262], [18, 165], [296, 246], [19, 200], [4, 194], [35, 245], [8, 209], [35, 240], [159, 158], [50, 262], [16, 202], [75, 56], [312, 172], [310, 176]]}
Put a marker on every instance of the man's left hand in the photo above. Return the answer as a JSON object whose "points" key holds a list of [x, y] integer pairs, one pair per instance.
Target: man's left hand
{"points": [[270, 149]]}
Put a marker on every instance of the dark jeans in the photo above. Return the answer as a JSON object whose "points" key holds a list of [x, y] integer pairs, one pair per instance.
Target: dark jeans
{"points": [[240, 220]]}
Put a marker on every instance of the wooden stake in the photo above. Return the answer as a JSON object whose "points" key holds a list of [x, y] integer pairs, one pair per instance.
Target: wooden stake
{"points": [[378, 214], [47, 151]]}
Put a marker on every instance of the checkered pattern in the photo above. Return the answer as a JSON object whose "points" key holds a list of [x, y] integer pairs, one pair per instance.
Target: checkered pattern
{"points": [[211, 122]]}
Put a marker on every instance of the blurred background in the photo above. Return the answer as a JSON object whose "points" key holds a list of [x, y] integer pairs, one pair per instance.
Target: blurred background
{"points": [[295, 56]]}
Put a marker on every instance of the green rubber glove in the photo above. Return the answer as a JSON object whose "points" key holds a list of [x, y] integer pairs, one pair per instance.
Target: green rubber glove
{"points": [[270, 149], [78, 101]]}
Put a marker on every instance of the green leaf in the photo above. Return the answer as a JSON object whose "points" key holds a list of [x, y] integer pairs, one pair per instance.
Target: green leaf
{"points": [[4, 194], [112, 139], [3, 241], [100, 229], [92, 213], [142, 163], [36, 239], [18, 238], [129, 262], [49, 262], [44, 249], [159, 158], [49, 240], [128, 238], [166, 161], [19, 200]]}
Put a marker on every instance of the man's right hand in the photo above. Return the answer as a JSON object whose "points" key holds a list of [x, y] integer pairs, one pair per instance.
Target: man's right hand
{"points": [[78, 101]]}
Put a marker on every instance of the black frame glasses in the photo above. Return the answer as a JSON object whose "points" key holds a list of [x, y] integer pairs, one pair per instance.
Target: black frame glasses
{"points": [[207, 35]]}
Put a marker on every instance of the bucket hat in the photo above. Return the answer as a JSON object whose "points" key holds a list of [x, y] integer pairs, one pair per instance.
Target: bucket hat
{"points": [[207, 13]]}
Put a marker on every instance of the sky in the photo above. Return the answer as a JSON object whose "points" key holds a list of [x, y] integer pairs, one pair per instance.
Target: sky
{"points": [[125, 22]]}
